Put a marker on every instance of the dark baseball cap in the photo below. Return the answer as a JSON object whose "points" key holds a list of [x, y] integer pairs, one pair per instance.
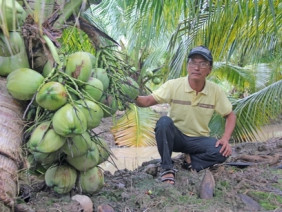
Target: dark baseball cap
{"points": [[201, 50]]}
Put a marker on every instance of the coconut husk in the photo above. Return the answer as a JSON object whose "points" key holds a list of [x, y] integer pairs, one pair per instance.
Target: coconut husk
{"points": [[8, 179], [11, 126], [11, 130], [207, 185]]}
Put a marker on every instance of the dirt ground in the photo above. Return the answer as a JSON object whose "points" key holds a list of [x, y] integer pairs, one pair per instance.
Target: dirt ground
{"points": [[250, 180]]}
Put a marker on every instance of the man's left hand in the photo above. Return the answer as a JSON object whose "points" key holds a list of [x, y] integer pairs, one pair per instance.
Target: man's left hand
{"points": [[226, 149]]}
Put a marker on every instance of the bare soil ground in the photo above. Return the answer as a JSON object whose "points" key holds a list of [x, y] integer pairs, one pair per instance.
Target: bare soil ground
{"points": [[253, 183]]}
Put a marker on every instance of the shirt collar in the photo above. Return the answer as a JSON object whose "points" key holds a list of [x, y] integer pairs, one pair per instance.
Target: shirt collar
{"points": [[189, 89]]}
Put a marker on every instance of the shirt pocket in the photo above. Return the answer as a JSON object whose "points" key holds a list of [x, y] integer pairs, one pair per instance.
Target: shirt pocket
{"points": [[205, 109]]}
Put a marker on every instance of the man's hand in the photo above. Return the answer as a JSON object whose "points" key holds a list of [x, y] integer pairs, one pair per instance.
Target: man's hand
{"points": [[145, 101], [226, 149]]}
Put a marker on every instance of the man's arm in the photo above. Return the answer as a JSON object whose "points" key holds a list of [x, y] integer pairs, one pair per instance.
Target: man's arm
{"points": [[145, 101], [226, 149]]}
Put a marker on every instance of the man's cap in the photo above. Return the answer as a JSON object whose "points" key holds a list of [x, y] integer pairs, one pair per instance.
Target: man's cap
{"points": [[201, 50]]}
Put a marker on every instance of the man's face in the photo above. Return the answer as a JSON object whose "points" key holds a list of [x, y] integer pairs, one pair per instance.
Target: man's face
{"points": [[198, 67]]}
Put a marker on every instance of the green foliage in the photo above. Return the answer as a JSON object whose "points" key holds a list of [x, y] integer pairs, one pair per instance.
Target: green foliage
{"points": [[252, 112], [238, 77], [256, 110], [241, 34], [136, 127], [236, 31], [74, 40]]}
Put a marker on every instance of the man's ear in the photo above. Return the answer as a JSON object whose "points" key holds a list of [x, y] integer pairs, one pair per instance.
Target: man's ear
{"points": [[209, 71]]}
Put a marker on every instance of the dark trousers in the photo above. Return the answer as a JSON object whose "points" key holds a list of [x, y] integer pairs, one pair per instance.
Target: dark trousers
{"points": [[202, 150]]}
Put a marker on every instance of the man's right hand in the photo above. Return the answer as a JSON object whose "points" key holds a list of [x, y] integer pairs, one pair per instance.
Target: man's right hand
{"points": [[145, 101]]}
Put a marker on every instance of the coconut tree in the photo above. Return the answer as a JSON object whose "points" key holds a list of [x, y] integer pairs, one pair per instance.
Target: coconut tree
{"points": [[241, 35]]}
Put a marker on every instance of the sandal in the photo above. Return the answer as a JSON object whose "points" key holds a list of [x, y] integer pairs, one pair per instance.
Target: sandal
{"points": [[187, 166], [166, 179]]}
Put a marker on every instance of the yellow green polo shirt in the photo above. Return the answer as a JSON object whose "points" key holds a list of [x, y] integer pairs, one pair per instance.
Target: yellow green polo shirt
{"points": [[192, 113]]}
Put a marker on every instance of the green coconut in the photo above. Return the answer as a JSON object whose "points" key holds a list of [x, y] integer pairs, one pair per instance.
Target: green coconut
{"points": [[94, 88], [11, 45], [79, 66], [130, 88], [156, 80], [111, 103], [102, 75], [91, 181], [87, 160], [14, 62], [104, 150], [77, 145], [23, 83], [69, 121], [149, 73], [61, 178], [12, 15], [92, 58], [47, 159], [91, 111], [52, 96], [46, 140], [47, 69]]}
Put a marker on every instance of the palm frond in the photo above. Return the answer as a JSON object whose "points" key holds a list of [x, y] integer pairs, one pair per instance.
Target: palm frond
{"points": [[240, 78], [241, 32], [73, 39], [252, 112], [135, 127]]}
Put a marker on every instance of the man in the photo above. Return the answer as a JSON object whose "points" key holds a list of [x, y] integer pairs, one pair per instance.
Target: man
{"points": [[192, 100]]}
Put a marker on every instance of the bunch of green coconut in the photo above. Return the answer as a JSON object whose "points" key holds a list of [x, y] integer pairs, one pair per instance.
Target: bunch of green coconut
{"points": [[61, 140], [65, 103]]}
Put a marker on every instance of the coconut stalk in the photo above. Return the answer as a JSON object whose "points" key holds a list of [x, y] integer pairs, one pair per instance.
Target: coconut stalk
{"points": [[11, 131]]}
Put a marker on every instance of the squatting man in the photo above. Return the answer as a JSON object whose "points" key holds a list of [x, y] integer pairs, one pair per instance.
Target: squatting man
{"points": [[192, 100]]}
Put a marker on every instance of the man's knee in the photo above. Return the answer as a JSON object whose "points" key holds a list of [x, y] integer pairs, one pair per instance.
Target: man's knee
{"points": [[218, 156], [164, 122]]}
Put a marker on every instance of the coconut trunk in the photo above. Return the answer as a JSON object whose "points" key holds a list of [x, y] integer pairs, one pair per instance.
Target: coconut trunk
{"points": [[11, 131]]}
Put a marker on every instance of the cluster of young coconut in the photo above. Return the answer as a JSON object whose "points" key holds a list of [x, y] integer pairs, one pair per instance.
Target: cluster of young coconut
{"points": [[66, 103], [61, 141]]}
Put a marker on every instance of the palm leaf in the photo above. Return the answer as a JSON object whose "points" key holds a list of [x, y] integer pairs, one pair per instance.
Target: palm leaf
{"points": [[252, 112], [136, 127], [241, 32], [239, 77], [73, 39]]}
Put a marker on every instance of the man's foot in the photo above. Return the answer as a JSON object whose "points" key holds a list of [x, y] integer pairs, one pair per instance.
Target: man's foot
{"points": [[187, 162], [168, 176], [187, 158]]}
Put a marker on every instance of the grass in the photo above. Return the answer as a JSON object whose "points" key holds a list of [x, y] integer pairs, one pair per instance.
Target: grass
{"points": [[277, 185], [268, 200]]}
